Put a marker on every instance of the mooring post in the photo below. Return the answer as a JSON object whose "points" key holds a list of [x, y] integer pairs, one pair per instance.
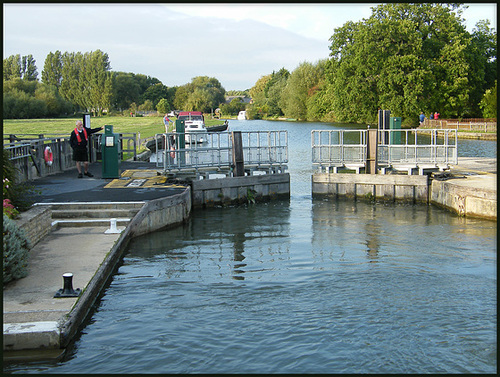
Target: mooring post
{"points": [[371, 151], [238, 163]]}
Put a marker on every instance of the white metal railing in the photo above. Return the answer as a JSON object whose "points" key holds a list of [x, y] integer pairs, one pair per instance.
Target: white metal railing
{"points": [[338, 147], [261, 150], [418, 147], [342, 148]]}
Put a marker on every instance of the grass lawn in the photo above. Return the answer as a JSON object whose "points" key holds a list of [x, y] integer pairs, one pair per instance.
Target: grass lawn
{"points": [[147, 126]]}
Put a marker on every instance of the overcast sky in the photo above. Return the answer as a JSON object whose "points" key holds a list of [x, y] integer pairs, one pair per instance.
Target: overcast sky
{"points": [[235, 43]]}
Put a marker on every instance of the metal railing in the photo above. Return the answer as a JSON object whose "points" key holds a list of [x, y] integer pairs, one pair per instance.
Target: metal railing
{"points": [[338, 147], [418, 147], [28, 158], [26, 151], [261, 150]]}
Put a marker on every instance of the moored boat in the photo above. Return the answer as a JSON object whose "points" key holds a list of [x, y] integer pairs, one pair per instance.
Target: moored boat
{"points": [[194, 126], [218, 127]]}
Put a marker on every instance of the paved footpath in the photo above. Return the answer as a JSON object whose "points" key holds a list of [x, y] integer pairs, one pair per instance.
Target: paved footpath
{"points": [[32, 316]]}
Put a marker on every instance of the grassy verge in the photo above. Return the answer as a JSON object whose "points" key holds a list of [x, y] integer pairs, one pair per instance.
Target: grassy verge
{"points": [[147, 126]]}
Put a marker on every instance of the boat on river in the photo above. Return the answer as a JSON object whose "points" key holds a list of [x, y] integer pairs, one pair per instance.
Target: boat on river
{"points": [[242, 115], [218, 127], [194, 126]]}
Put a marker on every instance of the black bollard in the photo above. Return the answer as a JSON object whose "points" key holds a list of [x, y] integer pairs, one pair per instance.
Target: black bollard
{"points": [[67, 290]]}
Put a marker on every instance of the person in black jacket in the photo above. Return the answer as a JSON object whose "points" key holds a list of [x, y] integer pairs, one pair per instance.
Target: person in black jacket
{"points": [[79, 142]]}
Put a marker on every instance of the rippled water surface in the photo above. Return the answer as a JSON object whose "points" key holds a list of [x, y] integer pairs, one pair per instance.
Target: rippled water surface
{"points": [[299, 286]]}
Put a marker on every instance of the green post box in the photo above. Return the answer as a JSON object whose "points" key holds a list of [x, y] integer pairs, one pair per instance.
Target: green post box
{"points": [[110, 149], [395, 124], [180, 142]]}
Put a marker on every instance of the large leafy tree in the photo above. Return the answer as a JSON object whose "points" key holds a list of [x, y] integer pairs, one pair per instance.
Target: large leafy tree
{"points": [[28, 67], [126, 90], [482, 55], [155, 93], [52, 69], [259, 107], [406, 57], [23, 67], [86, 80], [299, 87], [203, 93]]}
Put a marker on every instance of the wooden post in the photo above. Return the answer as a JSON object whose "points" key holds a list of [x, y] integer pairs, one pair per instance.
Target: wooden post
{"points": [[371, 151], [238, 163]]}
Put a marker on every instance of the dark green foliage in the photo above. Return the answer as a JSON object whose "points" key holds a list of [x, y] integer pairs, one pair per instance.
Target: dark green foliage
{"points": [[409, 58], [234, 107], [15, 251], [203, 94]]}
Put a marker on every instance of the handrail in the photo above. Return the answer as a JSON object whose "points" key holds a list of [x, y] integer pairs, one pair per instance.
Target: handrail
{"points": [[340, 148], [27, 151], [261, 150]]}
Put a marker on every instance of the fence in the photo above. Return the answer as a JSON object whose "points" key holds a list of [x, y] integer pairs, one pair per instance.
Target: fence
{"points": [[262, 150], [26, 151], [473, 124], [412, 148]]}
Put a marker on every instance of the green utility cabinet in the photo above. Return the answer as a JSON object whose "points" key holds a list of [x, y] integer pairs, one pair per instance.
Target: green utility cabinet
{"points": [[111, 153], [395, 124], [180, 142]]}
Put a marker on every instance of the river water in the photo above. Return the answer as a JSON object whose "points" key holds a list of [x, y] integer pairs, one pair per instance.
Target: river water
{"points": [[300, 286]]}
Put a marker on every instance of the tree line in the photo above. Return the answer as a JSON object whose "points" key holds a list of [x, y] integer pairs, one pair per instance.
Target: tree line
{"points": [[83, 82], [405, 57]]}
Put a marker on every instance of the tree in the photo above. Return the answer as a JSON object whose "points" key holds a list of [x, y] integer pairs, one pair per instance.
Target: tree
{"points": [[28, 68], [273, 91], [406, 57], [202, 94], [154, 93], [482, 54], [234, 107], [86, 80], [52, 69], [489, 102], [125, 90], [12, 67], [163, 106], [146, 106], [299, 87], [16, 66], [258, 108]]}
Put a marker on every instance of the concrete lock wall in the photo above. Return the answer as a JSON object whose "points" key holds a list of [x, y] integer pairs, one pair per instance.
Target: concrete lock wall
{"points": [[161, 213], [465, 201], [210, 192], [389, 187], [36, 223]]}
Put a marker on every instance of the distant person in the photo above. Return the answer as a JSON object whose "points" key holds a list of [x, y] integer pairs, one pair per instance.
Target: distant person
{"points": [[79, 142], [421, 117], [436, 115], [166, 122], [432, 116]]}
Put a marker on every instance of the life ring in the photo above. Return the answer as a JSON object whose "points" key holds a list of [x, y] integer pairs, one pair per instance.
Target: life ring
{"points": [[49, 157]]}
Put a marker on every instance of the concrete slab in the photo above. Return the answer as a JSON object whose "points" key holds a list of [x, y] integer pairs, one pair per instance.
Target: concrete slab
{"points": [[30, 299]]}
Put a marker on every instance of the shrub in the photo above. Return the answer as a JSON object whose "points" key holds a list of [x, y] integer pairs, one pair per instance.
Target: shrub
{"points": [[15, 251], [20, 194]]}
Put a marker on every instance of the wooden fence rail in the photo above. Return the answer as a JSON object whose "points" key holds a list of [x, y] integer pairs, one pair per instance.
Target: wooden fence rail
{"points": [[472, 124]]}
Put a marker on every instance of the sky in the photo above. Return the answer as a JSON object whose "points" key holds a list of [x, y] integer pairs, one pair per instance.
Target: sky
{"points": [[235, 43]]}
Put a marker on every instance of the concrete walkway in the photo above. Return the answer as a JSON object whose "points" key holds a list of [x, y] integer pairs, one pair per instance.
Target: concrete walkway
{"points": [[33, 318]]}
